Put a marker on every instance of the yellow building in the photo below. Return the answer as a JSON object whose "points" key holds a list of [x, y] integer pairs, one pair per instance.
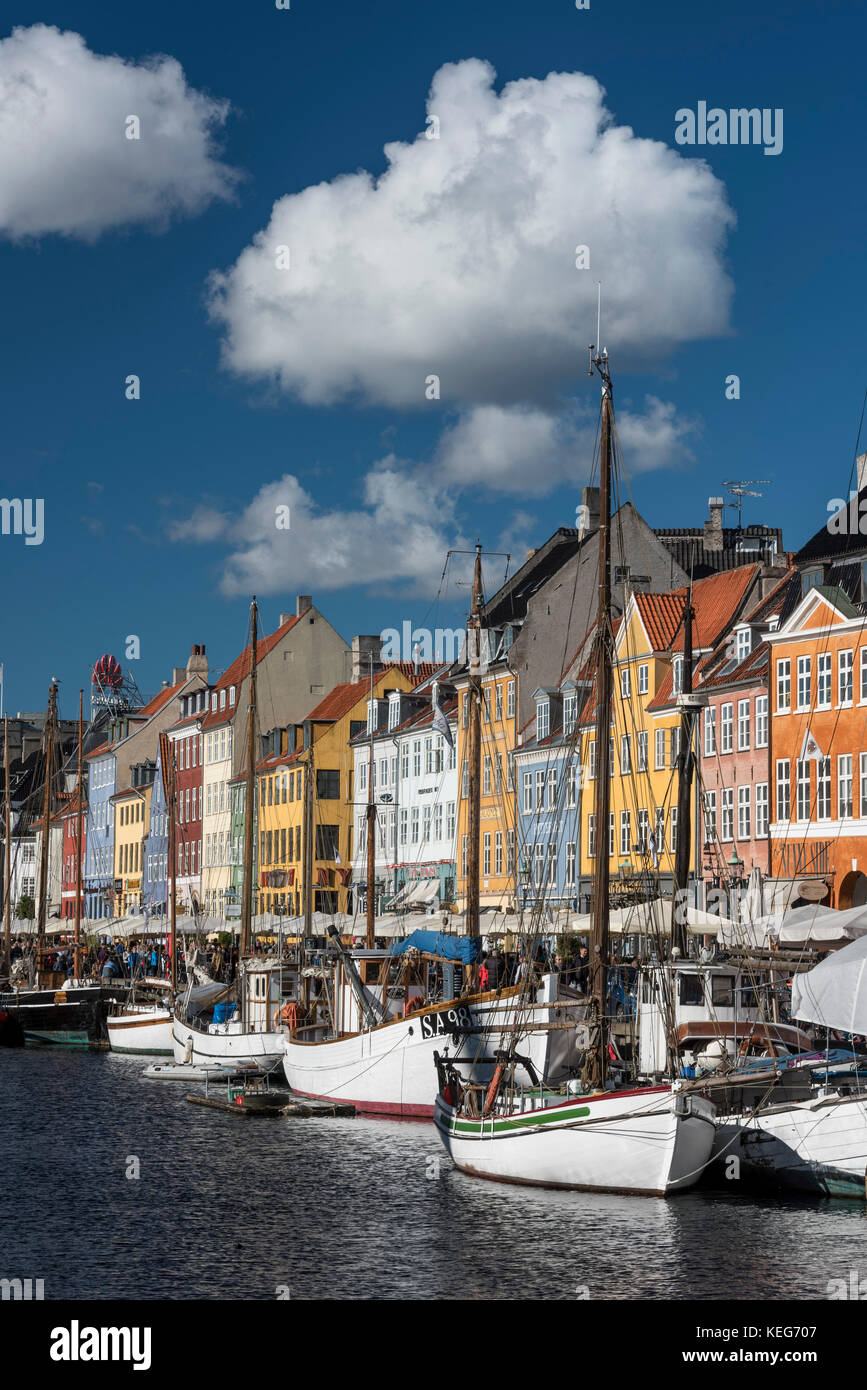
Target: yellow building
{"points": [[281, 779], [497, 817], [645, 729], [131, 819]]}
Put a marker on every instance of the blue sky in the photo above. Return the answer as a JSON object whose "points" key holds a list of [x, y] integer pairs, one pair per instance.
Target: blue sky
{"points": [[132, 488]]}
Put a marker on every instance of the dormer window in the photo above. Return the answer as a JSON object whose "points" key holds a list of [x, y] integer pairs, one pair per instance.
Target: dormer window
{"points": [[570, 712], [543, 718], [222, 699], [231, 695], [214, 703], [394, 711], [743, 643], [810, 579], [677, 675]]}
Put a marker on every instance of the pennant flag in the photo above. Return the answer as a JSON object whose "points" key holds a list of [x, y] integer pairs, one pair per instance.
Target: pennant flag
{"points": [[811, 749], [441, 724]]}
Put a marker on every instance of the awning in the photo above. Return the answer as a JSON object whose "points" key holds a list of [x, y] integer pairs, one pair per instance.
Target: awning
{"points": [[834, 995], [425, 890]]}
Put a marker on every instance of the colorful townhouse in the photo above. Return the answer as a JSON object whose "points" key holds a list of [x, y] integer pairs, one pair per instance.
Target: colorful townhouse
{"points": [[155, 866], [297, 664], [416, 794], [186, 742], [73, 853], [321, 748], [131, 817]]}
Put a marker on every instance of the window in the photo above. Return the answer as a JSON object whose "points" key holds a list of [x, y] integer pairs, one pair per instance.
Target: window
{"points": [[510, 700], [625, 754], [675, 746], [804, 681], [624, 832], [222, 699], [862, 761], [673, 839], [611, 835], [498, 840], [743, 813], [725, 745], [571, 786], [823, 789], [416, 757], [486, 776], [802, 784], [540, 790], [864, 673], [784, 684], [642, 680], [498, 706], [327, 784], [527, 782], [570, 712], [761, 721], [450, 820], [677, 675], [552, 788], [552, 863], [404, 761], [844, 785], [844, 678], [538, 864], [543, 719], [404, 822], [465, 780], [727, 829], [643, 829], [810, 579], [393, 713], [743, 724], [784, 789], [362, 776], [709, 817], [591, 760], [625, 683], [510, 851], [743, 643], [591, 837], [823, 681], [414, 822], [486, 853], [642, 751], [660, 749], [231, 695], [710, 731], [570, 864]]}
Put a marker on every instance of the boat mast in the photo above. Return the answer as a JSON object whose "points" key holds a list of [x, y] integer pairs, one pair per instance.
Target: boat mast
{"points": [[173, 855], [307, 831], [76, 953], [603, 673], [474, 748], [50, 723], [246, 936], [685, 764], [7, 856], [371, 828]]}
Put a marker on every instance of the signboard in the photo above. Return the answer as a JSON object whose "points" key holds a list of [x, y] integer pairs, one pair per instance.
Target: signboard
{"points": [[445, 1021]]}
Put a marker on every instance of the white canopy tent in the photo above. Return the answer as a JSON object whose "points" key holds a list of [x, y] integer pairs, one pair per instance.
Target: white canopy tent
{"points": [[834, 993]]}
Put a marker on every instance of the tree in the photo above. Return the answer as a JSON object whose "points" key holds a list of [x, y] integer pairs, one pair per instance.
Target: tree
{"points": [[26, 908]]}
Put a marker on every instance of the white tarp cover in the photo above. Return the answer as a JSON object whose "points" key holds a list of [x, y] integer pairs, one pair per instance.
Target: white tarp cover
{"points": [[834, 994], [818, 925]]}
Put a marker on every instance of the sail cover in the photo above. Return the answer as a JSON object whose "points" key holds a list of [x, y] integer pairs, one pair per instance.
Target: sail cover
{"points": [[433, 943], [834, 994]]}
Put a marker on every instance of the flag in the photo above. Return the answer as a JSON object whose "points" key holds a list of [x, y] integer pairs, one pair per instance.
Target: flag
{"points": [[811, 749], [441, 724], [654, 852]]}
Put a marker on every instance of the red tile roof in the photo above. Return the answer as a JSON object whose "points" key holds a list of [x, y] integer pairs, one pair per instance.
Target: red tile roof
{"points": [[715, 602], [240, 669]]}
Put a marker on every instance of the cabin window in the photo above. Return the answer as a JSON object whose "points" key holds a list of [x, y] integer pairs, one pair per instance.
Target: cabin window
{"points": [[722, 990], [690, 989]]}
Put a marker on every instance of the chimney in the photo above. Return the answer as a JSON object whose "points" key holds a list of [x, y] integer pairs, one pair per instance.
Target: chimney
{"points": [[588, 516], [713, 529], [861, 461], [179, 673], [302, 603], [198, 663], [362, 650]]}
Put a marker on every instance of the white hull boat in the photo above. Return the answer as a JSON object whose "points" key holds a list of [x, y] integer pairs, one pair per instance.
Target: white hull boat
{"points": [[389, 1069], [226, 1044], [651, 1142], [817, 1145], [144, 1028]]}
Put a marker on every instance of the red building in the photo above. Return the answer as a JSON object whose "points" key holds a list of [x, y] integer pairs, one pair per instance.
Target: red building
{"points": [[186, 742], [69, 821]]}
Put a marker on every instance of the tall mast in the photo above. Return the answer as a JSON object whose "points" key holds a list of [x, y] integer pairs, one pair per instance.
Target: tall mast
{"points": [[168, 773], [76, 954], [246, 938], [603, 673], [474, 747], [685, 763], [50, 724], [371, 829], [307, 834], [7, 856]]}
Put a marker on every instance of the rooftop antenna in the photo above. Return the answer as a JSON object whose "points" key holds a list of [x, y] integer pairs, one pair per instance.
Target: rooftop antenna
{"points": [[741, 489]]}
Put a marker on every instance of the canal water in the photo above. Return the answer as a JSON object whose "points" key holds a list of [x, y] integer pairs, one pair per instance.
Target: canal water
{"points": [[221, 1207]]}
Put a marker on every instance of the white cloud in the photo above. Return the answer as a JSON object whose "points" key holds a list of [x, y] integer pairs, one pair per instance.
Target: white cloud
{"points": [[66, 165], [399, 536], [460, 259], [530, 452]]}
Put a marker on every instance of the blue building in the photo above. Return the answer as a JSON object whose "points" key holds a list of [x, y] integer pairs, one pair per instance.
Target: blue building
{"points": [[548, 787], [99, 854], [156, 848]]}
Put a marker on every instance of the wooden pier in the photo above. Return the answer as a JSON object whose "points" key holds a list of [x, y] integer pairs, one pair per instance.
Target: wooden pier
{"points": [[272, 1104]]}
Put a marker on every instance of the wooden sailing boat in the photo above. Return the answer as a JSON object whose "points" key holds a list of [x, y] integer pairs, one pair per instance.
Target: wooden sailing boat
{"points": [[653, 1140], [251, 1035], [376, 1046]]}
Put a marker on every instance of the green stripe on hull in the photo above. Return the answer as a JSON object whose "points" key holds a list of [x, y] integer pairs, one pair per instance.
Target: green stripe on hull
{"points": [[541, 1117]]}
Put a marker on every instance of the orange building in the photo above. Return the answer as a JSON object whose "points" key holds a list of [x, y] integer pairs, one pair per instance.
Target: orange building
{"points": [[818, 738]]}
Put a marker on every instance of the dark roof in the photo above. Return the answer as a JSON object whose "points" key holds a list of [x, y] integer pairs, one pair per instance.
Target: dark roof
{"points": [[509, 603], [689, 546], [829, 545]]}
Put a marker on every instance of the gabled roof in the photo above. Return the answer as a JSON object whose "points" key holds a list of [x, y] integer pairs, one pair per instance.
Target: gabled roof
{"points": [[240, 669], [716, 601]]}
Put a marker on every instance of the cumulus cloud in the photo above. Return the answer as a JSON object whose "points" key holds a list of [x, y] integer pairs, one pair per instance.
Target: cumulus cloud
{"points": [[529, 451], [398, 536], [459, 260], [203, 525], [66, 164]]}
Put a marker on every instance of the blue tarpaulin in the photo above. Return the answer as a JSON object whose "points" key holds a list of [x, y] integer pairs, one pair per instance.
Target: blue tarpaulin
{"points": [[435, 943]]}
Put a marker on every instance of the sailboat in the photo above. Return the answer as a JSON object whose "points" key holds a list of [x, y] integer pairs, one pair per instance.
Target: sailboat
{"points": [[207, 1028], [373, 1020], [58, 1012], [652, 1140]]}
